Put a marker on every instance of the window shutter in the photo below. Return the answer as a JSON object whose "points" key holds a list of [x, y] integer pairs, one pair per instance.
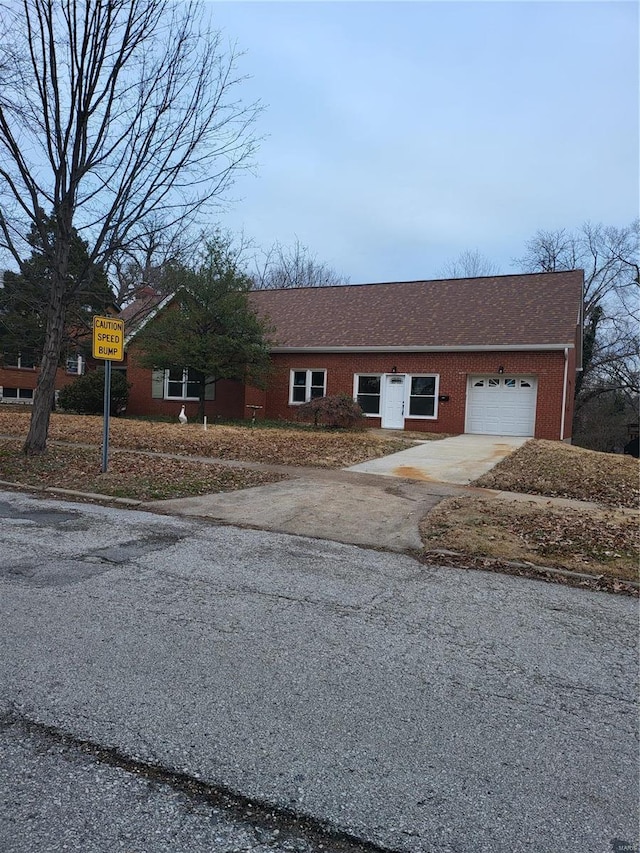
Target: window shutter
{"points": [[157, 384], [210, 389]]}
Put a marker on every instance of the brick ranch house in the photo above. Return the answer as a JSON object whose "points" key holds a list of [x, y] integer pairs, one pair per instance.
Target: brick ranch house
{"points": [[19, 372], [495, 355]]}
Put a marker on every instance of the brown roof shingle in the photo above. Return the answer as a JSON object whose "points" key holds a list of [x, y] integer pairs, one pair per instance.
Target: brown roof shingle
{"points": [[510, 310], [136, 313]]}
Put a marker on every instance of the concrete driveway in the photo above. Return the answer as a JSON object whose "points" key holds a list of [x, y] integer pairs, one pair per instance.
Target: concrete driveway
{"points": [[358, 505], [460, 459]]}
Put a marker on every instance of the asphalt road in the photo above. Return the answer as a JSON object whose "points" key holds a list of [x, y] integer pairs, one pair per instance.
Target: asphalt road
{"points": [[57, 795], [416, 708]]}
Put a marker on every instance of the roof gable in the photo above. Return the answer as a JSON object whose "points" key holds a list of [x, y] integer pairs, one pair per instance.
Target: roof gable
{"points": [[147, 304], [539, 309]]}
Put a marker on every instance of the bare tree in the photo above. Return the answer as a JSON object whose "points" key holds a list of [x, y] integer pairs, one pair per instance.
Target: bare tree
{"points": [[602, 422], [145, 261], [113, 114], [469, 264], [609, 256], [285, 267]]}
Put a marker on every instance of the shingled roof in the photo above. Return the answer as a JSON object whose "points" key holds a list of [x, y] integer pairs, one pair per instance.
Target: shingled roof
{"points": [[143, 308], [539, 310]]}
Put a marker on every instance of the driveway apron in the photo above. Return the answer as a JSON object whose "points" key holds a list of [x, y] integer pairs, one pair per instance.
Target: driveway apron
{"points": [[360, 505]]}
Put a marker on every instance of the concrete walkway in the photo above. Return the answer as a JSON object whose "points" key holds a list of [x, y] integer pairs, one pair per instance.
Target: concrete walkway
{"points": [[358, 505], [460, 459]]}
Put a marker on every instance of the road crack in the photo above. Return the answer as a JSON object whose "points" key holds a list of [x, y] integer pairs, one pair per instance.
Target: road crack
{"points": [[264, 818]]}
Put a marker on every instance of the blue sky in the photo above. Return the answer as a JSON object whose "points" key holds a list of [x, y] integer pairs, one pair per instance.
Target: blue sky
{"points": [[400, 134]]}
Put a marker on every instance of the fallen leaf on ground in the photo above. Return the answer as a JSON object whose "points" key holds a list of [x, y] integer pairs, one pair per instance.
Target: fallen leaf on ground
{"points": [[591, 541], [319, 449], [564, 471]]}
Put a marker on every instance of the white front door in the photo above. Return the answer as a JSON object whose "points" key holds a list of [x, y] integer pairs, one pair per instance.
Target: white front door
{"points": [[393, 402]]}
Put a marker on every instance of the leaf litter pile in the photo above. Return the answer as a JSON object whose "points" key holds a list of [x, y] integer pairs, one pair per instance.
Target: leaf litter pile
{"points": [[129, 475], [554, 469], [493, 533], [322, 449], [145, 477], [496, 534]]}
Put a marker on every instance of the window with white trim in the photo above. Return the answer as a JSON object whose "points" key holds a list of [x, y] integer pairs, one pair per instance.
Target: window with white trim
{"points": [[18, 395], [367, 392], [181, 383], [25, 360], [75, 364], [422, 396], [305, 385]]}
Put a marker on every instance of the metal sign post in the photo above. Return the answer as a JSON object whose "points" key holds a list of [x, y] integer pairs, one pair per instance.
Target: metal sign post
{"points": [[105, 426], [108, 345]]}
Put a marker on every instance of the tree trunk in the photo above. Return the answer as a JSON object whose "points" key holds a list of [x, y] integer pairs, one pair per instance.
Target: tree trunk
{"points": [[36, 441], [588, 345]]}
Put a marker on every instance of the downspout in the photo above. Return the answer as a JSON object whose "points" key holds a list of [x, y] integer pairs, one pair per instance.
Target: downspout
{"points": [[564, 391]]}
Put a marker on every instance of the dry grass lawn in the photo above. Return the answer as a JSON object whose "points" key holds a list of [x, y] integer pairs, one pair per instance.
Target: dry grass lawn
{"points": [[554, 469], [321, 449], [597, 542], [602, 542], [144, 477], [129, 475]]}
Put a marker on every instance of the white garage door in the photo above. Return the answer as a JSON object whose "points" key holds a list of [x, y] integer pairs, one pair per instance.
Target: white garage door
{"points": [[501, 405]]}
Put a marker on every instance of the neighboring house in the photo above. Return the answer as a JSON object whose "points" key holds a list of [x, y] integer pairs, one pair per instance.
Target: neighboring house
{"points": [[19, 368], [19, 373], [495, 355]]}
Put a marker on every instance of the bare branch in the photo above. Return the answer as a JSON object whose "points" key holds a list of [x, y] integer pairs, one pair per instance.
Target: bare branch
{"points": [[286, 267], [609, 257], [114, 115], [469, 264]]}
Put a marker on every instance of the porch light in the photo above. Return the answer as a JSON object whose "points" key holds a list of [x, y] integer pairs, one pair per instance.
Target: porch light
{"points": [[501, 369]]}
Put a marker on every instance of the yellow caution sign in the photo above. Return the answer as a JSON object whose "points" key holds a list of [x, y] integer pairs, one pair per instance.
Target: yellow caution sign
{"points": [[108, 338]]}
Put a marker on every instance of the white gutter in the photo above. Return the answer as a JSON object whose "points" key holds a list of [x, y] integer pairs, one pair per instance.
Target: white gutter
{"points": [[466, 348], [564, 391]]}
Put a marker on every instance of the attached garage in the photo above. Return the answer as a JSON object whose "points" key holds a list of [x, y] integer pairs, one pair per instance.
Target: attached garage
{"points": [[501, 405]]}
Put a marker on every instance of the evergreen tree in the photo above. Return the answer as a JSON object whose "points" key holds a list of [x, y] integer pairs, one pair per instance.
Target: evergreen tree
{"points": [[24, 299], [209, 327]]}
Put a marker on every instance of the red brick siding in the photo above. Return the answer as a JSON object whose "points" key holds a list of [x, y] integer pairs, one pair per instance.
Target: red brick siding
{"points": [[453, 369], [229, 402], [232, 398], [23, 377], [255, 397]]}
